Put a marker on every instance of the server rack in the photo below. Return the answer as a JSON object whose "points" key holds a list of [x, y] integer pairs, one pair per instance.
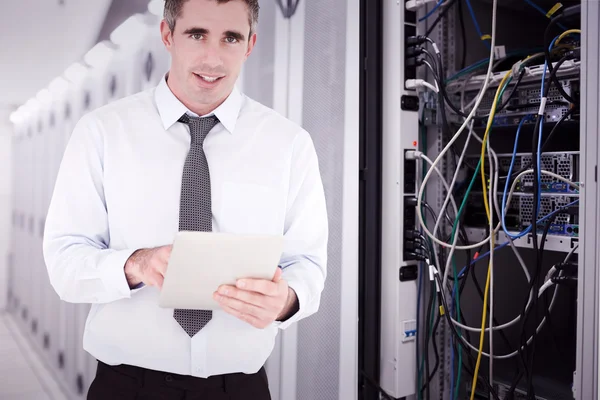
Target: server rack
{"points": [[519, 23]]}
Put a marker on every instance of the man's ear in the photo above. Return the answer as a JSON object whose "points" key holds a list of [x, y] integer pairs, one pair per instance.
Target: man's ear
{"points": [[251, 43], [166, 34]]}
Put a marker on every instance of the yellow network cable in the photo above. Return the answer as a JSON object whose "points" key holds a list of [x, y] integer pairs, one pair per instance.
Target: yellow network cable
{"points": [[485, 136], [487, 210], [565, 33], [488, 213]]}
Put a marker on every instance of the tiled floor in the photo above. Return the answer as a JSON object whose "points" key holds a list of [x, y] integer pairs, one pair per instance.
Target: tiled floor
{"points": [[23, 375]]}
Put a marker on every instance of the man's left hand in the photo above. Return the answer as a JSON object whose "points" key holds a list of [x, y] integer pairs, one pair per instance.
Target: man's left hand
{"points": [[257, 301]]}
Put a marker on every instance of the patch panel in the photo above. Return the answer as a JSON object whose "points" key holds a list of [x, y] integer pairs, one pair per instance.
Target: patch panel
{"points": [[525, 101], [520, 211], [564, 164]]}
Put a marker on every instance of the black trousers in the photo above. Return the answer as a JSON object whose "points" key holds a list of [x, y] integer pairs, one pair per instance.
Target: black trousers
{"points": [[125, 382]]}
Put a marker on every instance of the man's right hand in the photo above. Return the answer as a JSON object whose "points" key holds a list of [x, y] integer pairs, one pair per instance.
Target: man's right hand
{"points": [[148, 266]]}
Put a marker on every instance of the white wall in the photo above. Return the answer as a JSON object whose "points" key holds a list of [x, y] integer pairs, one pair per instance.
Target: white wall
{"points": [[5, 203]]}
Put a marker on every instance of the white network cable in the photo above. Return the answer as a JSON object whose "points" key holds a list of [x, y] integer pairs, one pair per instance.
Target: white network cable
{"points": [[460, 130], [509, 198], [542, 322], [494, 167], [417, 83], [473, 329]]}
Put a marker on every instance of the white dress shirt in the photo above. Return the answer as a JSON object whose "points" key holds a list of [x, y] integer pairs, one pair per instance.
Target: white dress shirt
{"points": [[118, 190]]}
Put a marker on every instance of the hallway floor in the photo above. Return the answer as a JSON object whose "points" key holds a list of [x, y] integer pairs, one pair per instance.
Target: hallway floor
{"points": [[23, 376]]}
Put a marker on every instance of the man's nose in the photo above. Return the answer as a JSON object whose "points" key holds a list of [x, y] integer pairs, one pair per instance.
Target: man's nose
{"points": [[211, 57]]}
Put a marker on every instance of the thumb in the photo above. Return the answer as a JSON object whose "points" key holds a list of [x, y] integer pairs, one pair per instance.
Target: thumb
{"points": [[277, 276]]}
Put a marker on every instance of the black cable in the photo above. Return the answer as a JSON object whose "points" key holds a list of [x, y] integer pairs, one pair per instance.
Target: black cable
{"points": [[547, 41], [376, 386], [436, 354], [555, 129], [552, 77], [461, 20], [427, 335], [549, 319], [441, 15], [481, 296], [566, 115], [437, 75], [444, 95], [531, 390], [453, 330], [522, 347]]}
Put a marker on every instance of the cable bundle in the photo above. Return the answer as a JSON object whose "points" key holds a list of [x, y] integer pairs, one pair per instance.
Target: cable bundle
{"points": [[435, 251]]}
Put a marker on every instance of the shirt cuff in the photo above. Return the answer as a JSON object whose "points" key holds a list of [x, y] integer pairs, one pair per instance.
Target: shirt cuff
{"points": [[113, 269], [302, 296]]}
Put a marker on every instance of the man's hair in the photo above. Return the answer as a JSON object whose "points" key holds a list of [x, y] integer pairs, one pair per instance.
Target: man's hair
{"points": [[173, 12]]}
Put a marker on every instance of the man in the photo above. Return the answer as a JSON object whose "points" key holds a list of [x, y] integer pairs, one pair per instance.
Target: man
{"points": [[191, 154]]}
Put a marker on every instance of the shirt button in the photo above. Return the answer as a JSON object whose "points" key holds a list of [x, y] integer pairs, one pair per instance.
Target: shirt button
{"points": [[169, 378]]}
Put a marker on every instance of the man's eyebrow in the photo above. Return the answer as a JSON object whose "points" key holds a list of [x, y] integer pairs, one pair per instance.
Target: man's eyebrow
{"points": [[195, 31], [236, 35]]}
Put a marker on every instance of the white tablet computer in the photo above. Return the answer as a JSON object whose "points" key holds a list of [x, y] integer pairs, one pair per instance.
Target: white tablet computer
{"points": [[202, 261]]}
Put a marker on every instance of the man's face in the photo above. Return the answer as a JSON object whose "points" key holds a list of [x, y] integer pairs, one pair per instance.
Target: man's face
{"points": [[208, 47]]}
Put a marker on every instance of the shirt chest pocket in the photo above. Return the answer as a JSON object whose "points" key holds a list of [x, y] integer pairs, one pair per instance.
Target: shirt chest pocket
{"points": [[247, 208]]}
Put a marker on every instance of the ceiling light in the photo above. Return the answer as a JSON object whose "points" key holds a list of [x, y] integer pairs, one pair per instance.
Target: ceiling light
{"points": [[44, 96], [76, 73], [156, 7], [129, 31], [58, 86], [17, 117], [99, 55], [32, 105]]}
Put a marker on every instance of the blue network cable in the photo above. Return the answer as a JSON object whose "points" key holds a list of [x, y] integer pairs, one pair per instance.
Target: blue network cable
{"points": [[461, 273], [504, 194], [477, 28], [430, 13]]}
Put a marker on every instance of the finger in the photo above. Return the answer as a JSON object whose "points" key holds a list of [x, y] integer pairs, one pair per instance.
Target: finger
{"points": [[278, 274], [266, 287], [257, 323], [160, 268], [254, 298], [166, 253], [241, 306], [155, 279]]}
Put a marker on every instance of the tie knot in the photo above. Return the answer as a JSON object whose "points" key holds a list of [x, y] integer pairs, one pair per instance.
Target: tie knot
{"points": [[199, 126]]}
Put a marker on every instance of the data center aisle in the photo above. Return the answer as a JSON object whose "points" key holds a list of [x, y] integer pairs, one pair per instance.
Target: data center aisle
{"points": [[22, 373]]}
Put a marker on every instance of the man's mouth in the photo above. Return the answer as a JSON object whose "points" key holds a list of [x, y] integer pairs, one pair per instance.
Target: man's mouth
{"points": [[208, 78]]}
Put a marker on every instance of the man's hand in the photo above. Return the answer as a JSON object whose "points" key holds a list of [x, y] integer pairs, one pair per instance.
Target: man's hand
{"points": [[148, 266], [257, 301]]}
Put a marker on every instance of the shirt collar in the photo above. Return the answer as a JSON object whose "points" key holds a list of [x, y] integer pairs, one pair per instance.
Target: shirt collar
{"points": [[171, 108]]}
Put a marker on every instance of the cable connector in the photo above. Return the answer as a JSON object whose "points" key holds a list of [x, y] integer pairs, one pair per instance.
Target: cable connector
{"points": [[420, 83], [414, 51], [565, 280], [412, 5], [568, 267], [575, 53], [542, 106], [411, 235], [416, 40], [570, 11], [413, 154], [410, 256], [410, 201]]}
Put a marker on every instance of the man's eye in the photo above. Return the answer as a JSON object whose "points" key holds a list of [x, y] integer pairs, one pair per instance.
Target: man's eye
{"points": [[197, 36], [231, 39]]}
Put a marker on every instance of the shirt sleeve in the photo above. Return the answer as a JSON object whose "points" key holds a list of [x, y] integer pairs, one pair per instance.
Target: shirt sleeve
{"points": [[304, 260], [81, 266]]}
